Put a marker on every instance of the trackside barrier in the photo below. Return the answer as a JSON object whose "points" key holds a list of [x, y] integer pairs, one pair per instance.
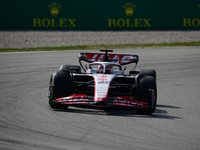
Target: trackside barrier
{"points": [[100, 15]]}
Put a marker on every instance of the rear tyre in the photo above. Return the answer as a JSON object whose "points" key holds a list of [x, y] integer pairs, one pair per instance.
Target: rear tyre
{"points": [[60, 86], [147, 92]]}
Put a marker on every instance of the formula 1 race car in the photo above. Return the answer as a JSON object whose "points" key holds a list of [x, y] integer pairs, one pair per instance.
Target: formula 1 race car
{"points": [[104, 83]]}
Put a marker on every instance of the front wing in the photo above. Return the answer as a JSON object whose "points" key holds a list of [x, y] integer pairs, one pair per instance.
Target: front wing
{"points": [[81, 99]]}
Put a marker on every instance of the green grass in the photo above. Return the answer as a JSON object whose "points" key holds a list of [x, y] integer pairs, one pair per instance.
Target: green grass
{"points": [[85, 47]]}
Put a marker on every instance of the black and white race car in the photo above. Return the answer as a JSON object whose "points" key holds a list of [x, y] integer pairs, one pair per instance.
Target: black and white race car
{"points": [[104, 83]]}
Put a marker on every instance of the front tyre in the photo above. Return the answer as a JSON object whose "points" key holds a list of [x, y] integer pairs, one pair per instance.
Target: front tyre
{"points": [[60, 86], [71, 68], [147, 92]]}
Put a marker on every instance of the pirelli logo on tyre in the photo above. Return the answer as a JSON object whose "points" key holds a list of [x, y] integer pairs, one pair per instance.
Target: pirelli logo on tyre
{"points": [[130, 21], [55, 21]]}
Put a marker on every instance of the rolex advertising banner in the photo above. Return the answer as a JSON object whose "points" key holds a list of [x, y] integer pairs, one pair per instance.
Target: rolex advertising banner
{"points": [[100, 15]]}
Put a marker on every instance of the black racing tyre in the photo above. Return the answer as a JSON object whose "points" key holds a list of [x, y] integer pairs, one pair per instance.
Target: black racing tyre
{"points": [[71, 68], [60, 86], [147, 92], [148, 72]]}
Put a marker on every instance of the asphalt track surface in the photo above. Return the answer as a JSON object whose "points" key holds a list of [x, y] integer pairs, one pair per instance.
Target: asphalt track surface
{"points": [[27, 121]]}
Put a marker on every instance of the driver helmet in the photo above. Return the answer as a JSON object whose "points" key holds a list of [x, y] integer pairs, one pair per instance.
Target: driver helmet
{"points": [[108, 69]]}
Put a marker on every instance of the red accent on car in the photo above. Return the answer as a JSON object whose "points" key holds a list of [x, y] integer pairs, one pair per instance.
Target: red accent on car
{"points": [[99, 57], [127, 101], [73, 99]]}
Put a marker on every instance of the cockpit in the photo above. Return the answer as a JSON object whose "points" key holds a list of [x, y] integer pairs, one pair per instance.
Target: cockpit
{"points": [[106, 68]]}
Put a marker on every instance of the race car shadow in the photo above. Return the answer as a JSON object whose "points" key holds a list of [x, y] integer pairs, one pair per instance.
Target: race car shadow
{"points": [[167, 106], [118, 111]]}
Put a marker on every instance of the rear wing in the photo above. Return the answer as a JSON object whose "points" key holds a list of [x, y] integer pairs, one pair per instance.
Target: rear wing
{"points": [[115, 58]]}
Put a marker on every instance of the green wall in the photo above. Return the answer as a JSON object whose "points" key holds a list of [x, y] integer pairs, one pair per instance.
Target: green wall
{"points": [[100, 14]]}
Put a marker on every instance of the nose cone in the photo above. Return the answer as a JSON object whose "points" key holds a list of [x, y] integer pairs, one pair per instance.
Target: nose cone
{"points": [[102, 83]]}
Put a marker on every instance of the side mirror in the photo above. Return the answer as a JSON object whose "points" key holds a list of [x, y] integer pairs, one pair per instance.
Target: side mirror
{"points": [[134, 72], [131, 72]]}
